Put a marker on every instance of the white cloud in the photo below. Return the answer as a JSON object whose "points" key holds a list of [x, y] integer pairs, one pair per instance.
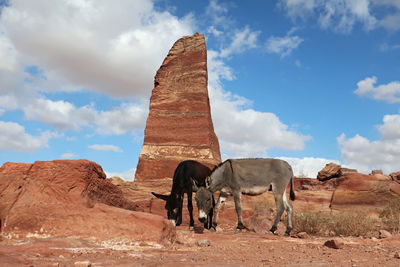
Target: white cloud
{"points": [[365, 155], [63, 115], [105, 148], [283, 46], [8, 55], [387, 47], [214, 31], [308, 166], [123, 119], [14, 137], [60, 114], [128, 175], [242, 40], [390, 129], [218, 14], [74, 54], [391, 22], [386, 92], [243, 131], [339, 15], [69, 156]]}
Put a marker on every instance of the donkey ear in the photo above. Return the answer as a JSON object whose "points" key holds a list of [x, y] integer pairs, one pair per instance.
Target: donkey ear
{"points": [[208, 181], [195, 187], [160, 196]]}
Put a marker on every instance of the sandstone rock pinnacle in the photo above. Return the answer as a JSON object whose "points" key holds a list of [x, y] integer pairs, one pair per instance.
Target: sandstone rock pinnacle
{"points": [[179, 126]]}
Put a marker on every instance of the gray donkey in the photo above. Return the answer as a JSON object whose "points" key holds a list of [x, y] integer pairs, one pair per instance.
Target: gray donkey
{"points": [[250, 177]]}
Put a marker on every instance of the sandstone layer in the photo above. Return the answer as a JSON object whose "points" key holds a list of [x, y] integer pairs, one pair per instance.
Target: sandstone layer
{"points": [[71, 198], [179, 126]]}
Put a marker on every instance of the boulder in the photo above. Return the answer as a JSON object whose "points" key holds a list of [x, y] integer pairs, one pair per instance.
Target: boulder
{"points": [[373, 172], [334, 243], [333, 170], [330, 170], [71, 198], [395, 176], [179, 126]]}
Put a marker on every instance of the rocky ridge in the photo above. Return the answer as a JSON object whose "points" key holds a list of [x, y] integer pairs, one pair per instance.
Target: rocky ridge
{"points": [[72, 198]]}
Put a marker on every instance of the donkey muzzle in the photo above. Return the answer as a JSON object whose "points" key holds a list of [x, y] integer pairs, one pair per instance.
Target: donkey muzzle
{"points": [[202, 216]]}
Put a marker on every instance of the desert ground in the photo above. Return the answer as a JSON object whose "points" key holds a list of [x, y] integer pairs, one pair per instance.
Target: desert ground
{"points": [[193, 248]]}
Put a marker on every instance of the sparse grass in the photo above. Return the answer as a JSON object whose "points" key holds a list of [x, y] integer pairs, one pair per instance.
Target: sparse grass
{"points": [[264, 205], [390, 216], [330, 224]]}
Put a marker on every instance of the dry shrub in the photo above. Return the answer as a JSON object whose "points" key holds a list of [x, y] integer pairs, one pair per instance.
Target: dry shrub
{"points": [[311, 223], [390, 216], [352, 224], [265, 205], [326, 224]]}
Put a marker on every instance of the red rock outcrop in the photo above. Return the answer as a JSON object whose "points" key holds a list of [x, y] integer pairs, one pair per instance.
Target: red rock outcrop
{"points": [[351, 192], [179, 126], [360, 192], [333, 170], [71, 198], [395, 176]]}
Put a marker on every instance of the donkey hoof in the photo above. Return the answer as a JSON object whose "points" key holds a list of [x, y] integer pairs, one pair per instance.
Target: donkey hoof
{"points": [[212, 229], [271, 232], [287, 234]]}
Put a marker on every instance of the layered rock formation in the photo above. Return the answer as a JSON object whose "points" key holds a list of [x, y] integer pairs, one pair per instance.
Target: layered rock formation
{"points": [[71, 198], [333, 170], [179, 126]]}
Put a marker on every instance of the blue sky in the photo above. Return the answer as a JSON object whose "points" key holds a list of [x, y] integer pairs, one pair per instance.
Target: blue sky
{"points": [[310, 81]]}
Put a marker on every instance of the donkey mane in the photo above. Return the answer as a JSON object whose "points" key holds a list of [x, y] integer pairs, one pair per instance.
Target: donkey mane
{"points": [[219, 165], [222, 163]]}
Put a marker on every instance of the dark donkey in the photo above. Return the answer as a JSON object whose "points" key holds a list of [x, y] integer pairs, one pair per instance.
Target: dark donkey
{"points": [[250, 177], [187, 176]]}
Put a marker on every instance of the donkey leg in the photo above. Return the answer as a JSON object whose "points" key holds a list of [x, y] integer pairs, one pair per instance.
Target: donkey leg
{"points": [[289, 211], [180, 205], [221, 200], [208, 223], [238, 207], [190, 209], [279, 211]]}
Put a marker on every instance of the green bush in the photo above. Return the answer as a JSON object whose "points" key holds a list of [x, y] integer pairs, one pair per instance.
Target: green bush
{"points": [[390, 216]]}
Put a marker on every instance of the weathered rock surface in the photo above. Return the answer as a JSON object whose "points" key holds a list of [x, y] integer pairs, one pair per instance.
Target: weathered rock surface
{"points": [[364, 192], [395, 176], [330, 170], [334, 243], [179, 126], [333, 170], [71, 198]]}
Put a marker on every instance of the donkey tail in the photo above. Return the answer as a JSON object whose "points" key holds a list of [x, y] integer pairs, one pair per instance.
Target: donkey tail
{"points": [[292, 195]]}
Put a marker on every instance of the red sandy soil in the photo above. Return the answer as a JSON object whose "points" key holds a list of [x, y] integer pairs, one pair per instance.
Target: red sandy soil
{"points": [[225, 248]]}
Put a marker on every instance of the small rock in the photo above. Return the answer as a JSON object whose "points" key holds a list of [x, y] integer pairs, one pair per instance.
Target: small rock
{"points": [[204, 243], [83, 264], [303, 235], [384, 234], [334, 243], [198, 229], [397, 255]]}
